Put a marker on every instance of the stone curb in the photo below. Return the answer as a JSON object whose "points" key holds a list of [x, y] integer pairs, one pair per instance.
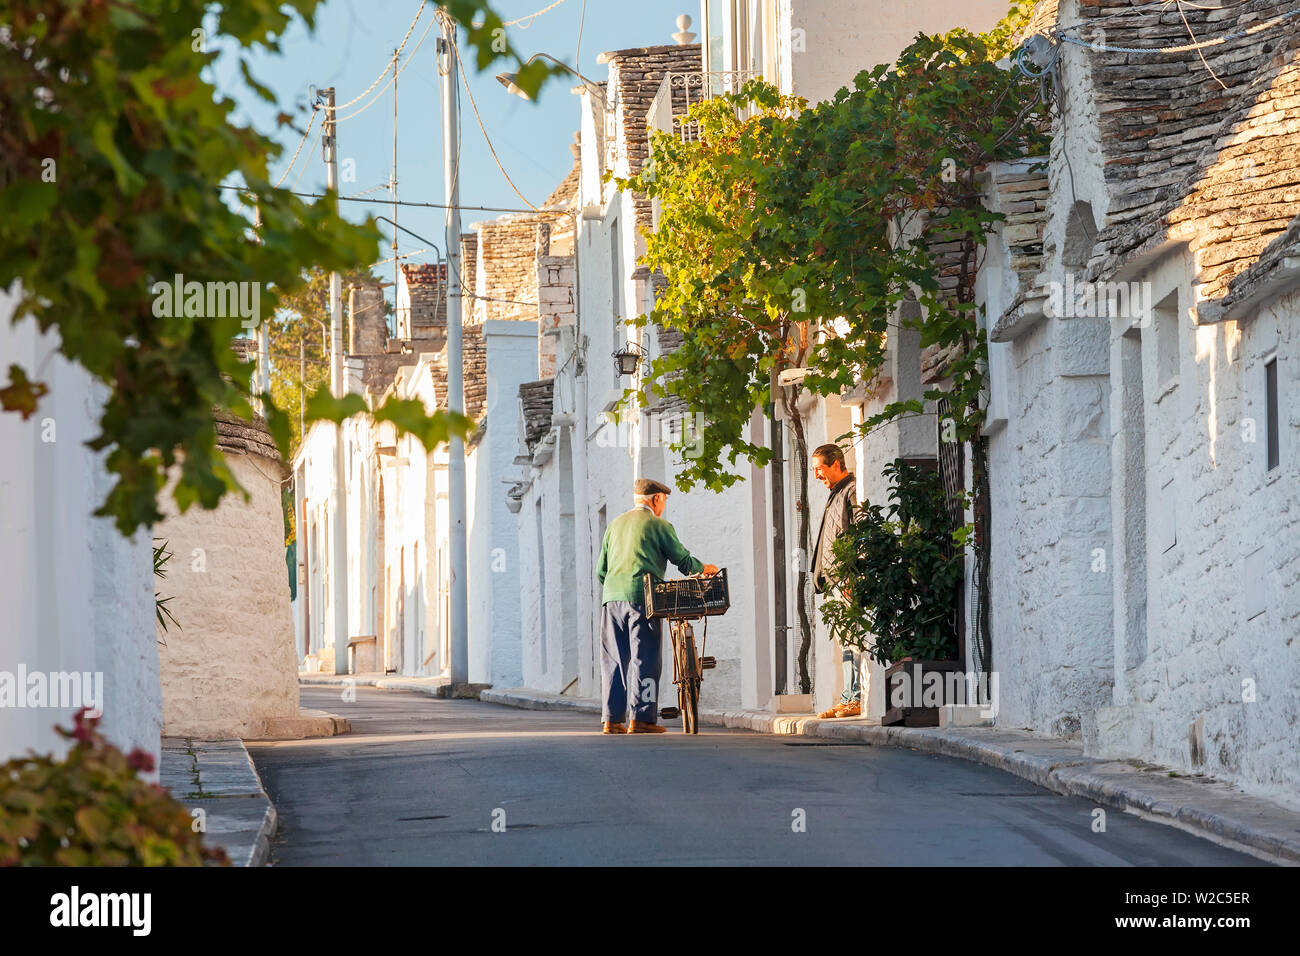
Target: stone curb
{"points": [[439, 687], [1209, 809], [239, 815]]}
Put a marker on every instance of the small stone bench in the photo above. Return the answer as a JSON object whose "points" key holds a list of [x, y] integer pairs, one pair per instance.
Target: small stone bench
{"points": [[363, 654]]}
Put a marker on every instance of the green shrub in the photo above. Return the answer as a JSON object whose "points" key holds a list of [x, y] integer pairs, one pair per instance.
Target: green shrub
{"points": [[902, 569], [92, 809]]}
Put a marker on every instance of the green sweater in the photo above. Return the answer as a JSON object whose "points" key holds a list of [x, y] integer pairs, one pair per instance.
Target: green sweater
{"points": [[636, 542]]}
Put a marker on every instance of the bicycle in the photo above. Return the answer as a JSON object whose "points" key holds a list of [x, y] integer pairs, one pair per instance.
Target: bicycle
{"points": [[680, 602]]}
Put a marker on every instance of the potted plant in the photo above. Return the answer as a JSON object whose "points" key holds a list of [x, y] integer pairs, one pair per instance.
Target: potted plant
{"points": [[897, 575]]}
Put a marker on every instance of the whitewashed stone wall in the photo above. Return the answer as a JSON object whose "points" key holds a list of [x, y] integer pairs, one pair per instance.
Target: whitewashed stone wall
{"points": [[494, 597], [1205, 682], [1051, 618], [826, 43], [78, 596], [231, 663], [1144, 559]]}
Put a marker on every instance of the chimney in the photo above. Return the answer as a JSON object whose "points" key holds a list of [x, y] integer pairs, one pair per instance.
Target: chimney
{"points": [[426, 286], [368, 329]]}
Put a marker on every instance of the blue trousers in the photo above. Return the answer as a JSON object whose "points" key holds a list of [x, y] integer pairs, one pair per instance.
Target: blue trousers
{"points": [[631, 658]]}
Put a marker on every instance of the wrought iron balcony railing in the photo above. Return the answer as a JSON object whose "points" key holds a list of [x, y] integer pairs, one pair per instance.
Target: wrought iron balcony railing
{"points": [[678, 92]]}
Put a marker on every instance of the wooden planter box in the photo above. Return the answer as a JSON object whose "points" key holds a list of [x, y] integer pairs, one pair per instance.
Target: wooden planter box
{"points": [[911, 697]]}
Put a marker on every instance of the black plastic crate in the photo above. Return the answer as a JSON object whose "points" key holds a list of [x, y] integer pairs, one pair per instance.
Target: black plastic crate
{"points": [[687, 597]]}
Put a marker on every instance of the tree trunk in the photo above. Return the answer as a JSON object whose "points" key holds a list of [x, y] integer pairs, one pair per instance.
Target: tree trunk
{"points": [[801, 599]]}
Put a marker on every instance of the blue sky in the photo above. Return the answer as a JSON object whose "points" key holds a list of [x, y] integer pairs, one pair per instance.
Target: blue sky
{"points": [[353, 42]]}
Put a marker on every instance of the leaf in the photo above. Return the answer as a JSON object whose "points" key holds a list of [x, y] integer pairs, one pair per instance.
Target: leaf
{"points": [[21, 394], [25, 202]]}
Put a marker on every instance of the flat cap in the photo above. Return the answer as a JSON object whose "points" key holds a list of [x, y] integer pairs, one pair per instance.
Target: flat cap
{"points": [[648, 486]]}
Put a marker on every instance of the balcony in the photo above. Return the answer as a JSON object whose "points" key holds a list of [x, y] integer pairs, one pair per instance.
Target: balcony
{"points": [[678, 92]]}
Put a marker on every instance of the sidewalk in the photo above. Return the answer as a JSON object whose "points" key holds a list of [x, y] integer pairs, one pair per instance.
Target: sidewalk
{"points": [[217, 777], [1207, 808]]}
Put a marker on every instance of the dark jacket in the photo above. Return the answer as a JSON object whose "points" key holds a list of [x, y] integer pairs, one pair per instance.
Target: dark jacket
{"points": [[837, 517]]}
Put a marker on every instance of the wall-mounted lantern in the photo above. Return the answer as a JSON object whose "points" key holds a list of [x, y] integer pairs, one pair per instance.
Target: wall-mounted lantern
{"points": [[628, 358]]}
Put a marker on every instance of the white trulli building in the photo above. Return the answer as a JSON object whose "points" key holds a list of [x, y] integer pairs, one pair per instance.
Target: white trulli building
{"points": [[1146, 564], [229, 669]]}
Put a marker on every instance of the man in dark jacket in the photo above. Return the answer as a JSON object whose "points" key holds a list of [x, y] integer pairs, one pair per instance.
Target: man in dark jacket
{"points": [[829, 469]]}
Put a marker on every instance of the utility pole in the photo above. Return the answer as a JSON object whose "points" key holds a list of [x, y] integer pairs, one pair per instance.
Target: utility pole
{"points": [[338, 479], [262, 379], [449, 69], [302, 387], [393, 189]]}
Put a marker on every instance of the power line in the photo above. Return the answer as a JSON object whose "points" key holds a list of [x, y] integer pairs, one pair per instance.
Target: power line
{"points": [[486, 137], [297, 151], [1185, 48], [409, 30], [577, 59], [1199, 51], [532, 16], [392, 78], [305, 166], [403, 202]]}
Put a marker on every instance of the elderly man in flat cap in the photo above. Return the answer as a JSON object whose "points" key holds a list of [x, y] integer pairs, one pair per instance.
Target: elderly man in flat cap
{"points": [[631, 644]]}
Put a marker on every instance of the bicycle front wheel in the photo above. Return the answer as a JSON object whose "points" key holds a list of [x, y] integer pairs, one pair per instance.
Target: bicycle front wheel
{"points": [[690, 694]]}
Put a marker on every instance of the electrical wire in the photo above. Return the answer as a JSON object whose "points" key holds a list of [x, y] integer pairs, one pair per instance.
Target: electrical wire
{"points": [[370, 190], [389, 65], [577, 59], [1064, 36], [531, 17], [1199, 52], [403, 202], [486, 137], [293, 162], [306, 166], [392, 78]]}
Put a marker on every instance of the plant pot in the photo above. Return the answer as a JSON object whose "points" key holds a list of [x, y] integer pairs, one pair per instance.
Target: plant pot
{"points": [[913, 698]]}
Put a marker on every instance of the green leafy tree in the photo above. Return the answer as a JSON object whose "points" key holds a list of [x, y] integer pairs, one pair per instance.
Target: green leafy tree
{"points": [[299, 341], [789, 236], [113, 144]]}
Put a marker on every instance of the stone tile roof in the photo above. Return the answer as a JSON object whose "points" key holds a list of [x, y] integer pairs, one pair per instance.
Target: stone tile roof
{"points": [[474, 376], [1278, 267], [245, 348], [243, 436], [1022, 199], [468, 267], [536, 400], [635, 76], [1186, 159], [565, 195]]}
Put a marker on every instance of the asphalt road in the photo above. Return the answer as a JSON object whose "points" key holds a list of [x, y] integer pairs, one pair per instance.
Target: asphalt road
{"points": [[428, 782]]}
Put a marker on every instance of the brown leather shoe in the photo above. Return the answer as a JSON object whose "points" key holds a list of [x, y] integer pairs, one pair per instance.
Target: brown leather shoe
{"points": [[829, 714], [851, 709], [608, 728], [641, 727]]}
